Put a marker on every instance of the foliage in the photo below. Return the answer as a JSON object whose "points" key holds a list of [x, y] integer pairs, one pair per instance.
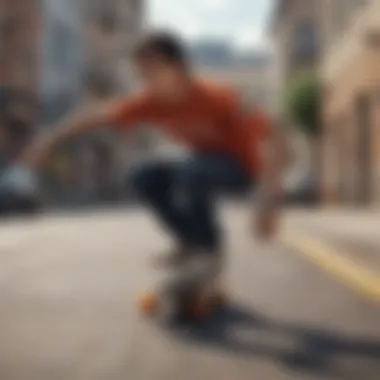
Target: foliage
{"points": [[303, 103]]}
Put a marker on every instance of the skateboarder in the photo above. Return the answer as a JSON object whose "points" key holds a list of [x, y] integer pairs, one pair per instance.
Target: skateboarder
{"points": [[225, 141]]}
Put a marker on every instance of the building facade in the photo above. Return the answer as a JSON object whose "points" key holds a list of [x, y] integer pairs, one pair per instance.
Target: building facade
{"points": [[351, 74], [19, 34], [19, 30], [295, 30], [59, 54], [111, 29]]}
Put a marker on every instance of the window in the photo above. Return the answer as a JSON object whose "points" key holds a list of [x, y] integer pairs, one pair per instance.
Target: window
{"points": [[305, 39]]}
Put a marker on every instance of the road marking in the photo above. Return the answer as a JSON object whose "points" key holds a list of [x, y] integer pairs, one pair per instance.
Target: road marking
{"points": [[349, 272]]}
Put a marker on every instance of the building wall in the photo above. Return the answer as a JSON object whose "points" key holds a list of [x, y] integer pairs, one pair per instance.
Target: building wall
{"points": [[65, 52], [61, 49], [19, 29], [61, 57], [111, 29], [19, 33], [296, 32], [351, 74]]}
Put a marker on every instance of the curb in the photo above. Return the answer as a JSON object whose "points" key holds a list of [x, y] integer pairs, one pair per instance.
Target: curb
{"points": [[357, 277]]}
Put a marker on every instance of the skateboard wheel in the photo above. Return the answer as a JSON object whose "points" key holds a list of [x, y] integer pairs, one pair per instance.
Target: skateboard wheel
{"points": [[148, 303]]}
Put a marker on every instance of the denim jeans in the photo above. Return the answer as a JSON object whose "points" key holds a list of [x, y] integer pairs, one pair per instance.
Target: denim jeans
{"points": [[182, 194]]}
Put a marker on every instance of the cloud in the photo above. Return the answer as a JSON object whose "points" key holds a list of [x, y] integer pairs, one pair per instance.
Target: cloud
{"points": [[177, 19], [216, 4], [250, 37], [241, 21]]}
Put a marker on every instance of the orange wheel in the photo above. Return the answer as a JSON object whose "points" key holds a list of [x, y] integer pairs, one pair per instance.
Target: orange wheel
{"points": [[148, 303]]}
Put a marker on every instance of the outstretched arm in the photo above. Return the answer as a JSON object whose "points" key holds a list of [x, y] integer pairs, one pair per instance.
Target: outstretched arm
{"points": [[81, 121], [121, 113]]}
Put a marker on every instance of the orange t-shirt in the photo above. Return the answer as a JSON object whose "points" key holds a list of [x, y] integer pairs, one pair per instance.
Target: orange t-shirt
{"points": [[209, 120]]}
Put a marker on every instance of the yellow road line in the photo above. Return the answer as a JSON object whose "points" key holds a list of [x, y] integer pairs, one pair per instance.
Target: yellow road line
{"points": [[357, 277]]}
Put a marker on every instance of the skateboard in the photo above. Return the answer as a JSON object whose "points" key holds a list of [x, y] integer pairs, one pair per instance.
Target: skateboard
{"points": [[192, 292]]}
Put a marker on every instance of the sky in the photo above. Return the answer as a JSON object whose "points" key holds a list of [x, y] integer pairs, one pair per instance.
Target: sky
{"points": [[241, 21]]}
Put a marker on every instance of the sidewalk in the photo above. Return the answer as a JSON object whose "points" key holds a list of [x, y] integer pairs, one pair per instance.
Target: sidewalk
{"points": [[345, 243]]}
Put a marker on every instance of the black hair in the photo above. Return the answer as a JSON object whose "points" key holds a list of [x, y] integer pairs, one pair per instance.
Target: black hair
{"points": [[164, 45]]}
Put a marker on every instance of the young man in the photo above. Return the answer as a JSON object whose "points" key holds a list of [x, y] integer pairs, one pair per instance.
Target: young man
{"points": [[225, 142]]}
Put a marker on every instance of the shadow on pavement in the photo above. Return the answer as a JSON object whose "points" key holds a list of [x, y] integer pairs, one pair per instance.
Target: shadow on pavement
{"points": [[246, 333]]}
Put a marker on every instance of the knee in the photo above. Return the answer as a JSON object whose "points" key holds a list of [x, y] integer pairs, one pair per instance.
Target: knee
{"points": [[194, 180]]}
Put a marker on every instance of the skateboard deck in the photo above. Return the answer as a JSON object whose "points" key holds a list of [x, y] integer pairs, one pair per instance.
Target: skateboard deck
{"points": [[191, 292]]}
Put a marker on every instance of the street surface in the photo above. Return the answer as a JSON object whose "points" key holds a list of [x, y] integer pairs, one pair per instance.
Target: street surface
{"points": [[68, 289], [354, 233]]}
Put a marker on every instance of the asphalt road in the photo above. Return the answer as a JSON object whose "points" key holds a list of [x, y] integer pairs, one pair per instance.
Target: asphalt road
{"points": [[68, 288]]}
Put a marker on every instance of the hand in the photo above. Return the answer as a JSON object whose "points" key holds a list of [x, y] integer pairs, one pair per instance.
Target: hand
{"points": [[266, 224]]}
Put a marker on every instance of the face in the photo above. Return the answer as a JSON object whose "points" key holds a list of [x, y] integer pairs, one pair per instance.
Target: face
{"points": [[159, 76]]}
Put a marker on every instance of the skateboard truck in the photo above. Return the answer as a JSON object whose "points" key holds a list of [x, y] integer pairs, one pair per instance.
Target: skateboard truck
{"points": [[190, 293]]}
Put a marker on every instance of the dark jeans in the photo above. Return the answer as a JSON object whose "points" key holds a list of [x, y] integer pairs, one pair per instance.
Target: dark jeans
{"points": [[182, 194]]}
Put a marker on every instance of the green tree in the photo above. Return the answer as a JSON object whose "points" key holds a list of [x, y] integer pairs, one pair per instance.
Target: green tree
{"points": [[303, 103]]}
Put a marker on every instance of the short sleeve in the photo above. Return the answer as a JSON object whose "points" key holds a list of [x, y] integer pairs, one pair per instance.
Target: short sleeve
{"points": [[129, 112]]}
